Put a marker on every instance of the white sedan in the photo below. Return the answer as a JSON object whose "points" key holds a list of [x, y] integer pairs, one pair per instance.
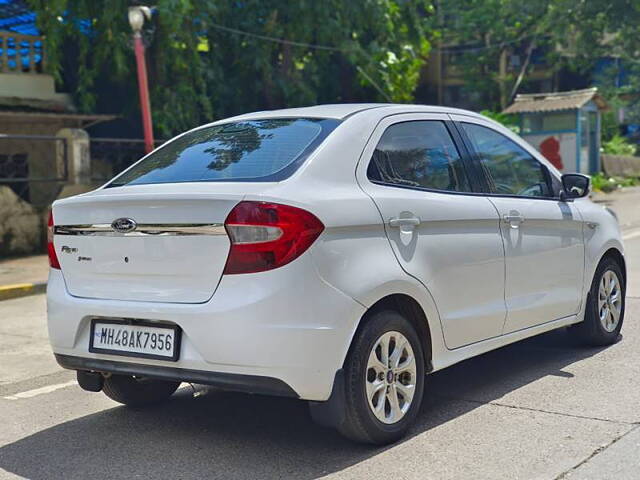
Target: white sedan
{"points": [[336, 254]]}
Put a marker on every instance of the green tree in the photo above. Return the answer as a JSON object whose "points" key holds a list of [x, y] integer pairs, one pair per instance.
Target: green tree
{"points": [[488, 33], [209, 59], [571, 35], [609, 30]]}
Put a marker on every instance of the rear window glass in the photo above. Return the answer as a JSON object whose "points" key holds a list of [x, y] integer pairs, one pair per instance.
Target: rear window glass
{"points": [[418, 154], [252, 151]]}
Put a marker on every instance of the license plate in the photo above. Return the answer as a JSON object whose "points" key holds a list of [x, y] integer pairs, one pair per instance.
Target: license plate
{"points": [[135, 339]]}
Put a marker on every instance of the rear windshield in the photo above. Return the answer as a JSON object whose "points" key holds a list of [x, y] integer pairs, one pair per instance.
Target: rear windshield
{"points": [[248, 151]]}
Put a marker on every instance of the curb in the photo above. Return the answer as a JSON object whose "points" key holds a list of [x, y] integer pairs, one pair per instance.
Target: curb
{"points": [[21, 290]]}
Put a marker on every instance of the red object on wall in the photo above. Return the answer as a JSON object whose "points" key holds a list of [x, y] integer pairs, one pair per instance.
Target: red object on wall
{"points": [[143, 88], [550, 148]]}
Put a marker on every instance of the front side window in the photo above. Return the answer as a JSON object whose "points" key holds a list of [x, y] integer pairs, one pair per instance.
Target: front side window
{"points": [[510, 169], [418, 154], [244, 151]]}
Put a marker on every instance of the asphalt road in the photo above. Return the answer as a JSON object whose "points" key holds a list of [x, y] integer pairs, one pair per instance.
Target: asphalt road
{"points": [[543, 408]]}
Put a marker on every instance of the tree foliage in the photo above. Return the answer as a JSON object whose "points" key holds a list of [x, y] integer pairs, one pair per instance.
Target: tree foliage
{"points": [[609, 30], [488, 32], [568, 35], [201, 66]]}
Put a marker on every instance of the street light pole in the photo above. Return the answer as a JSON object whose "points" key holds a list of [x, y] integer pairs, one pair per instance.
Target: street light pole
{"points": [[136, 20]]}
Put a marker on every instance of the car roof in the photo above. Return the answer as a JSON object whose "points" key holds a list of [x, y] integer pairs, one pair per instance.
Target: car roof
{"points": [[340, 111]]}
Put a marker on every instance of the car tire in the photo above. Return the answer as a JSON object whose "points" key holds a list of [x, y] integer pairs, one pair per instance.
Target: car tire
{"points": [[138, 392], [364, 372], [604, 310]]}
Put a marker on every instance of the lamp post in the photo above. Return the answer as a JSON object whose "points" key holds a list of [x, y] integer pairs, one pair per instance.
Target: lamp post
{"points": [[137, 16]]}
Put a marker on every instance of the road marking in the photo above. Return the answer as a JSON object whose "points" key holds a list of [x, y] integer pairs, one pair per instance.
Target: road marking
{"points": [[40, 391], [631, 235]]}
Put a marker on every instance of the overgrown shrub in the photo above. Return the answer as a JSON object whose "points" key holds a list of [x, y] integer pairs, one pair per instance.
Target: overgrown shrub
{"points": [[619, 145], [602, 183]]}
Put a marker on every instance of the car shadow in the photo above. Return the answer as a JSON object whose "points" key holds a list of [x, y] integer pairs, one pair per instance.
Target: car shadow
{"points": [[215, 434]]}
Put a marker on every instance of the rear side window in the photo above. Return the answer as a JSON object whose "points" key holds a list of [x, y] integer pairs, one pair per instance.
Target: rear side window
{"points": [[249, 151], [509, 168], [418, 154]]}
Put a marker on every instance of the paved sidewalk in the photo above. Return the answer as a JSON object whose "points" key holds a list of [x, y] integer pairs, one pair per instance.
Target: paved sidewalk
{"points": [[34, 269], [23, 276]]}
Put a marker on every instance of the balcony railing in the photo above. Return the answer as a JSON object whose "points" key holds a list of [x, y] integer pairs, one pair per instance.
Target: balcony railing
{"points": [[21, 53]]}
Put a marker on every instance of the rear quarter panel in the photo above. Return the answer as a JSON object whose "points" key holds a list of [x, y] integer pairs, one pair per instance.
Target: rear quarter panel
{"points": [[353, 254]]}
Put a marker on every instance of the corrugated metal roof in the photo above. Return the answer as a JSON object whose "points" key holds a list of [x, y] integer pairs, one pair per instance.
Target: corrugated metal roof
{"points": [[548, 102], [16, 16]]}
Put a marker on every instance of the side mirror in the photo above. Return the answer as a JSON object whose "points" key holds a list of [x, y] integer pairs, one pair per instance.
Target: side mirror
{"points": [[574, 185]]}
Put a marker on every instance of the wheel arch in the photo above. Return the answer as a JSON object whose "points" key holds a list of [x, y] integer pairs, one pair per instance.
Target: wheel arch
{"points": [[411, 309], [617, 255], [409, 300]]}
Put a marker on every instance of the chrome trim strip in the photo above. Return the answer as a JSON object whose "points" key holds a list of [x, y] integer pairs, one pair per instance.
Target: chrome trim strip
{"points": [[171, 229]]}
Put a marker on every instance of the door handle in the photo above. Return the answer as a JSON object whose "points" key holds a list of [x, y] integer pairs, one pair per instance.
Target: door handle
{"points": [[404, 223], [513, 219]]}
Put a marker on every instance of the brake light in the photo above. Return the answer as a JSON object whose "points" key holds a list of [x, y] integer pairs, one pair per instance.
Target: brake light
{"points": [[53, 258], [267, 235]]}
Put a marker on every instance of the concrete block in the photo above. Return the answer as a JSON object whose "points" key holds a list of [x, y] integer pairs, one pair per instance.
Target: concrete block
{"points": [[621, 165], [21, 229]]}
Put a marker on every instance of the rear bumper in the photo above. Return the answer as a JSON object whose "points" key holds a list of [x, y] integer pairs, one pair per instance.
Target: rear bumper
{"points": [[228, 381], [285, 325]]}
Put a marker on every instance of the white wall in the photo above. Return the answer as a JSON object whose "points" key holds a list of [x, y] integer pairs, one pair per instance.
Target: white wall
{"points": [[31, 85], [566, 153]]}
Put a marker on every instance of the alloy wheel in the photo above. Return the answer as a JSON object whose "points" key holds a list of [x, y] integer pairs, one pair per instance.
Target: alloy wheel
{"points": [[390, 377], [609, 301]]}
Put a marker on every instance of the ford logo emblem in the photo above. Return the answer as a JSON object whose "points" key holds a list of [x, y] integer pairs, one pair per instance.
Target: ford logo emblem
{"points": [[124, 225]]}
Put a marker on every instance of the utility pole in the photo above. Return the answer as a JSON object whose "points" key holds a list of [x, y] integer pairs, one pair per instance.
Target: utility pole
{"points": [[137, 16]]}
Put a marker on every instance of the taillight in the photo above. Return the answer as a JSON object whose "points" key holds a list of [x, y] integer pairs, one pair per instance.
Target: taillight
{"points": [[267, 235], [53, 258]]}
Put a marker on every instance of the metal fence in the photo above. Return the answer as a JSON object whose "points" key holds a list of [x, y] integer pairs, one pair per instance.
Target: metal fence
{"points": [[110, 156], [34, 166]]}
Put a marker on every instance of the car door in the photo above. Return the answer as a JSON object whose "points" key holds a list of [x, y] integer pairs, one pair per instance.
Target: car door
{"points": [[543, 236], [441, 233]]}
